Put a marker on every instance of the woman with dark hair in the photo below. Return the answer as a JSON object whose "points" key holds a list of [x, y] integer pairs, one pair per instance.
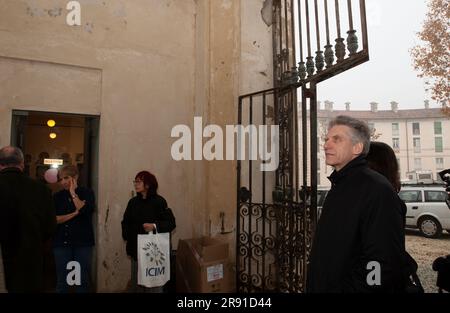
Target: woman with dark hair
{"points": [[74, 237], [381, 158], [146, 212]]}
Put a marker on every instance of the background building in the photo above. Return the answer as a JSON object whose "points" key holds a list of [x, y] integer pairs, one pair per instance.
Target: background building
{"points": [[419, 137]]}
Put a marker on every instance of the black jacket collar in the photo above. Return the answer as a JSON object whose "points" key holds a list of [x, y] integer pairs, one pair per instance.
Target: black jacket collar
{"points": [[336, 176], [11, 170], [149, 196]]}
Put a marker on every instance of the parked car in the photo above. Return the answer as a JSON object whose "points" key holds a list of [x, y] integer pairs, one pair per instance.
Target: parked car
{"points": [[428, 209]]}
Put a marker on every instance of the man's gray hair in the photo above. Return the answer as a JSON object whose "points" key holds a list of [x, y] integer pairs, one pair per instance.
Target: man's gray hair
{"points": [[11, 156], [360, 132]]}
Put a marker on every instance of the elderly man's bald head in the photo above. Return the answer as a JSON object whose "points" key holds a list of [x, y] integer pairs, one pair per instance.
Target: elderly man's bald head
{"points": [[11, 157]]}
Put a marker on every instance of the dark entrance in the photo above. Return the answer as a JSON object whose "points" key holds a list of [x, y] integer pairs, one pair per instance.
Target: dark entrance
{"points": [[51, 140]]}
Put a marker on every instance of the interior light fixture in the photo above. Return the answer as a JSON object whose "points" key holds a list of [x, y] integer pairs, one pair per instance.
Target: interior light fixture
{"points": [[51, 123]]}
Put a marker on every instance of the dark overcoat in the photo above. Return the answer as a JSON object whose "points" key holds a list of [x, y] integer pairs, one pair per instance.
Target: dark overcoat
{"points": [[27, 219]]}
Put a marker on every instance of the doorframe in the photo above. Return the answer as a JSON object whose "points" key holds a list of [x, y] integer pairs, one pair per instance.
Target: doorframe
{"points": [[91, 138]]}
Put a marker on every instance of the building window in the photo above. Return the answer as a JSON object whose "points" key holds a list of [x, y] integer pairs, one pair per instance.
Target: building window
{"points": [[416, 144], [437, 128], [398, 163], [395, 129], [438, 144], [417, 163], [396, 144], [439, 163], [318, 179], [318, 164], [416, 129]]}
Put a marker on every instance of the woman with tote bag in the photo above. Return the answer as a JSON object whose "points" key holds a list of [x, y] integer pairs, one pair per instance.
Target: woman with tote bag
{"points": [[147, 212]]}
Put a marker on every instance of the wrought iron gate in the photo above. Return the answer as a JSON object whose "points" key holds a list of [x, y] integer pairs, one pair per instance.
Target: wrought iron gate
{"points": [[277, 211]]}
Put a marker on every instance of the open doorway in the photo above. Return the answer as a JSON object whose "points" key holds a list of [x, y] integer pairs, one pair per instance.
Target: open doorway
{"points": [[51, 140]]}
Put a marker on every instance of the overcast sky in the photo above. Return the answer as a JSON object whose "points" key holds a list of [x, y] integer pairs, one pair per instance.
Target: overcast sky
{"points": [[389, 75]]}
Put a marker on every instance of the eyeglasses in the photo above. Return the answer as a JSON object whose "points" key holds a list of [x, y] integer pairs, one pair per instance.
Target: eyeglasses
{"points": [[137, 182]]}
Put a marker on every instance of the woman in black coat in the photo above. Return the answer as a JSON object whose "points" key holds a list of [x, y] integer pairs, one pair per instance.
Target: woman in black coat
{"points": [[382, 158], [146, 212]]}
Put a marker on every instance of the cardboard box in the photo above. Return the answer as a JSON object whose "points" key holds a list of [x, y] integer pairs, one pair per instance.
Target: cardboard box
{"points": [[202, 265]]}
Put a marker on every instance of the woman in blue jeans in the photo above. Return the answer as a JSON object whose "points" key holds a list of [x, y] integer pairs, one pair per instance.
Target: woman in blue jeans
{"points": [[74, 237]]}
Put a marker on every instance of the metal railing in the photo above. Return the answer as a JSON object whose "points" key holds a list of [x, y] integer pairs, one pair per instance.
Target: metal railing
{"points": [[298, 28]]}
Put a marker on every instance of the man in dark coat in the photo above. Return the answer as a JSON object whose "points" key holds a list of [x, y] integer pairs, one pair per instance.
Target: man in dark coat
{"points": [[27, 219], [359, 241]]}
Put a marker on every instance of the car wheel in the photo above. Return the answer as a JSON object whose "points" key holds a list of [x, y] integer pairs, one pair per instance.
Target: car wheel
{"points": [[430, 227]]}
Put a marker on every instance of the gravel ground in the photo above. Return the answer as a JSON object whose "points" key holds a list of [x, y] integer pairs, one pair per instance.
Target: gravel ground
{"points": [[425, 251]]}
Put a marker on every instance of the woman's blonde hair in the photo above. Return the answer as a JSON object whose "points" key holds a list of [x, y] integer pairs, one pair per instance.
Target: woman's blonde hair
{"points": [[70, 170]]}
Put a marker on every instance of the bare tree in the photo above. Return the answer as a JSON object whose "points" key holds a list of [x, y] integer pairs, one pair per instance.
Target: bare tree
{"points": [[432, 58]]}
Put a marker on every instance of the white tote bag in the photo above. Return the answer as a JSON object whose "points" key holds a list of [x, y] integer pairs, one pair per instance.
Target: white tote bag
{"points": [[153, 259]]}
